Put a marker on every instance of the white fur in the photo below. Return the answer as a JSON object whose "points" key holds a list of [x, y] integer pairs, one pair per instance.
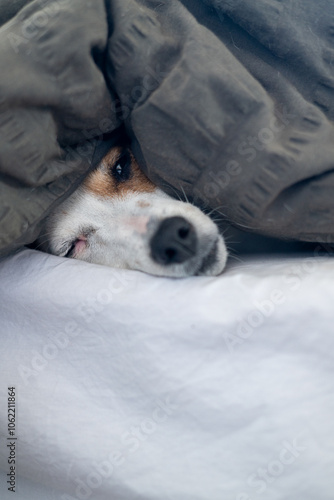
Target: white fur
{"points": [[117, 231]]}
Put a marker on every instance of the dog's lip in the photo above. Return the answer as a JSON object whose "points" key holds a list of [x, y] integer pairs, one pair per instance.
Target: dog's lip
{"points": [[76, 246], [209, 260]]}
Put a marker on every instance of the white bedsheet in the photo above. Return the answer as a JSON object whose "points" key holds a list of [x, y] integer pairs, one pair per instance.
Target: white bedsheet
{"points": [[131, 387]]}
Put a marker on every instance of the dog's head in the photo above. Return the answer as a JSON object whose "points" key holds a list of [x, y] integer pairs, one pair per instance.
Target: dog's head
{"points": [[118, 218]]}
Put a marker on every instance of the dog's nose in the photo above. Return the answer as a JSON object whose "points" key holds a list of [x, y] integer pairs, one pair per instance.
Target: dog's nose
{"points": [[174, 242]]}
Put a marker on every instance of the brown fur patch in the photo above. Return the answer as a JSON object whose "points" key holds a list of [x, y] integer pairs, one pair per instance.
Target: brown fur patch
{"points": [[102, 183]]}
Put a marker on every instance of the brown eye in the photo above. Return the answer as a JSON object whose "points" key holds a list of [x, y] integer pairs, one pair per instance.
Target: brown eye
{"points": [[121, 170]]}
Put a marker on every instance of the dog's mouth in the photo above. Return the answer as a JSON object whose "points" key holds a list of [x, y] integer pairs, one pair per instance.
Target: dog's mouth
{"points": [[75, 247]]}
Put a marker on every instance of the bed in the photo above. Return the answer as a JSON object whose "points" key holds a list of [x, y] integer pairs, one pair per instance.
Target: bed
{"points": [[130, 386]]}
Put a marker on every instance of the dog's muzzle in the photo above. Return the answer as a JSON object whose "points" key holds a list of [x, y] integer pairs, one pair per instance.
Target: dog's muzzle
{"points": [[174, 242]]}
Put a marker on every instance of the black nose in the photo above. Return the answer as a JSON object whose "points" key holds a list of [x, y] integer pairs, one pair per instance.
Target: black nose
{"points": [[174, 242]]}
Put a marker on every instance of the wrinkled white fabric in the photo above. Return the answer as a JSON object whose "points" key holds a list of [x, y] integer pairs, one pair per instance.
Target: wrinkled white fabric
{"points": [[131, 387]]}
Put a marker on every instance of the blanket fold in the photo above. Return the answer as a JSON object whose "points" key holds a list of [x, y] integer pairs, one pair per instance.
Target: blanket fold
{"points": [[230, 103]]}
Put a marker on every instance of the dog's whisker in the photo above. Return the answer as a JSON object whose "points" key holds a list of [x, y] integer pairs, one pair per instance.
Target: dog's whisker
{"points": [[234, 257], [40, 244], [252, 228], [177, 194], [220, 219], [184, 194], [45, 235], [43, 239], [217, 210]]}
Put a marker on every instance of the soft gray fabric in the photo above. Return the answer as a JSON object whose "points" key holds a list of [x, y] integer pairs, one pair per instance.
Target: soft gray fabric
{"points": [[9, 9], [230, 102], [53, 97]]}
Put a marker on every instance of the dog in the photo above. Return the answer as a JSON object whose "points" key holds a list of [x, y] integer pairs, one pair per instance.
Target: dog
{"points": [[119, 218]]}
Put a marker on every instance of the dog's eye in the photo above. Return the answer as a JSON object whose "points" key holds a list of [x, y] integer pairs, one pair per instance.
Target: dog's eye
{"points": [[121, 170]]}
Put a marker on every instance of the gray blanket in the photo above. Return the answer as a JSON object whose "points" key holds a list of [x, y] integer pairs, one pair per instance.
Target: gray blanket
{"points": [[228, 101]]}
